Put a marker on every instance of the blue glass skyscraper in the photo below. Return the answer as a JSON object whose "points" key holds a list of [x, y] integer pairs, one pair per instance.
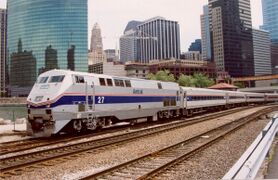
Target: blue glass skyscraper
{"points": [[270, 18], [42, 35]]}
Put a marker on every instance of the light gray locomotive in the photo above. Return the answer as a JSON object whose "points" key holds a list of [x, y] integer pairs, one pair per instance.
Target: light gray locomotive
{"points": [[68, 101]]}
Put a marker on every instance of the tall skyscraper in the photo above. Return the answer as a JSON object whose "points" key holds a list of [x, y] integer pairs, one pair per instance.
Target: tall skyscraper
{"points": [[96, 54], [96, 39], [129, 42], [206, 40], [129, 46], [39, 25], [270, 18], [3, 50], [158, 39], [262, 52], [196, 46], [231, 33]]}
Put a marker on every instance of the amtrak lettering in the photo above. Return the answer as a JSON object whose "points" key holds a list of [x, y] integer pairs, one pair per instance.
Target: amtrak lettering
{"points": [[137, 91]]}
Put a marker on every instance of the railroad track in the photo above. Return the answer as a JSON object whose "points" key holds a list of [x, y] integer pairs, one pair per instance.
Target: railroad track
{"points": [[154, 164], [23, 145], [16, 164]]}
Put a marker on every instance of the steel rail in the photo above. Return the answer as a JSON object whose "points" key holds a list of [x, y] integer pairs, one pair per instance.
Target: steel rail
{"points": [[168, 156]]}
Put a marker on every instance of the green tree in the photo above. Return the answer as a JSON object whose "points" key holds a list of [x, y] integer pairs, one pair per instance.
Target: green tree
{"points": [[151, 76], [202, 81], [186, 81], [239, 84], [162, 76]]}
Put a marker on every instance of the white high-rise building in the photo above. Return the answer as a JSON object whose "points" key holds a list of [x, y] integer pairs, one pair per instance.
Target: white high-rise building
{"points": [[96, 53], [159, 39], [262, 52]]}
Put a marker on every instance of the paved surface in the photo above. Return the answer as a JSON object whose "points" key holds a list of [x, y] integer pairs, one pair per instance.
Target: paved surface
{"points": [[273, 166]]}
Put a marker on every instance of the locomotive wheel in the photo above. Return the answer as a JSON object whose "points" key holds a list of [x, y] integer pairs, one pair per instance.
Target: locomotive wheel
{"points": [[101, 123], [160, 115], [133, 122], [92, 124], [77, 125]]}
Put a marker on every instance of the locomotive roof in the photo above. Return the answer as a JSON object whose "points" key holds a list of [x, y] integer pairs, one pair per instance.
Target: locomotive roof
{"points": [[64, 72]]}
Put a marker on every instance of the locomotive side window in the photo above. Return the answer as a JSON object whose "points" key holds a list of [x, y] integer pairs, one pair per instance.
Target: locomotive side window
{"points": [[159, 85], [122, 83], [102, 81], [109, 82], [56, 79], [79, 79], [127, 83], [119, 83]]}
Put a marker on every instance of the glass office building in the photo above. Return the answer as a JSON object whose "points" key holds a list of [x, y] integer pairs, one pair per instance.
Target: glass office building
{"points": [[44, 35], [270, 17]]}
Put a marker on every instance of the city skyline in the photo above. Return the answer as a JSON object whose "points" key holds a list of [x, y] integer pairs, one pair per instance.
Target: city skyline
{"points": [[112, 15]]}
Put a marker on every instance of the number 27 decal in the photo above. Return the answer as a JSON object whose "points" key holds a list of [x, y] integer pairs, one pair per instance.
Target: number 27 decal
{"points": [[100, 100]]}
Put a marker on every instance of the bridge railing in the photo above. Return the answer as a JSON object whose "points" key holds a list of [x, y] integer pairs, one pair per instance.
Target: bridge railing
{"points": [[250, 162]]}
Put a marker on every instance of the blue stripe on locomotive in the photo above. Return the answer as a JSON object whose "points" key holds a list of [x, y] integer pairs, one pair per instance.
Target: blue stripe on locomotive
{"points": [[69, 100]]}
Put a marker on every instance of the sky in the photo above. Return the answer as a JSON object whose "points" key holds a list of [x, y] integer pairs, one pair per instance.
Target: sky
{"points": [[113, 16]]}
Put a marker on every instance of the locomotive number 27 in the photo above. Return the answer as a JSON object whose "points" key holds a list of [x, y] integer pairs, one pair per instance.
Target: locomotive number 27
{"points": [[100, 100]]}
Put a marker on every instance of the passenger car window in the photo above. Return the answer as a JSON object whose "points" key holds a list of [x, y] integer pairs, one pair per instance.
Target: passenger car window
{"points": [[56, 79]]}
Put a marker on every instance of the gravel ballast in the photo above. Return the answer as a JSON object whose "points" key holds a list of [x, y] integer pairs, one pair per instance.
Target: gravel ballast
{"points": [[76, 168]]}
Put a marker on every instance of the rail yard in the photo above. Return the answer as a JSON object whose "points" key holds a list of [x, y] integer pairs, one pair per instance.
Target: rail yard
{"points": [[202, 146]]}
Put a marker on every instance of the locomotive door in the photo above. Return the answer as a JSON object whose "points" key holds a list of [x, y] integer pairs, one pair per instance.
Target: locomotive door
{"points": [[181, 98]]}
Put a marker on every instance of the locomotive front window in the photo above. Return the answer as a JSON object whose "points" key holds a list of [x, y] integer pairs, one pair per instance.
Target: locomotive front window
{"points": [[56, 79], [42, 80]]}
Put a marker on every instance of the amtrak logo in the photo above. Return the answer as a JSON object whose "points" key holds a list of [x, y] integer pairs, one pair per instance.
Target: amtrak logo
{"points": [[137, 91]]}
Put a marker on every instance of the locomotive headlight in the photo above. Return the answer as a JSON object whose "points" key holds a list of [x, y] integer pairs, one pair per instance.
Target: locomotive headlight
{"points": [[48, 111], [48, 106]]}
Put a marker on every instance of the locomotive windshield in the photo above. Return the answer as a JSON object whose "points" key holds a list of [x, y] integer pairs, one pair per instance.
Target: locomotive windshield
{"points": [[42, 80], [56, 79]]}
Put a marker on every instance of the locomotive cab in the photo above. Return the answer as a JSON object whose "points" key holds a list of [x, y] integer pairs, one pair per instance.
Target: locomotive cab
{"points": [[40, 101]]}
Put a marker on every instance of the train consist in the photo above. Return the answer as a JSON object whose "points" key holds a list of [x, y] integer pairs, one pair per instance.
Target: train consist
{"points": [[68, 101]]}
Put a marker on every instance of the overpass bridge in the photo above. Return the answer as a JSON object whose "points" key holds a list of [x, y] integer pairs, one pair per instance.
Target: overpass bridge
{"points": [[251, 79], [270, 89]]}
